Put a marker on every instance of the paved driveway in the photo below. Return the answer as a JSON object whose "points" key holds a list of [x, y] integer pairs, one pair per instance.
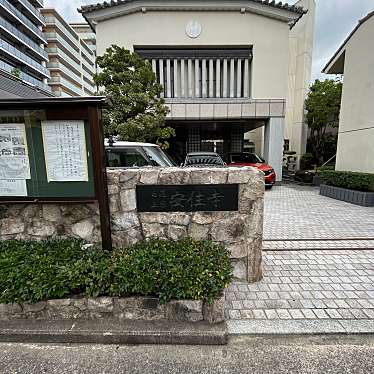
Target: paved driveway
{"points": [[296, 213], [318, 268], [307, 291]]}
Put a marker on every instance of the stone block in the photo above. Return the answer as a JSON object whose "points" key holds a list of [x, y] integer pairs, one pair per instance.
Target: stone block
{"points": [[9, 309], [128, 200], [203, 218], [114, 203], [238, 250], [129, 178], [12, 226], [34, 308], [180, 219], [59, 303], [100, 304], [123, 221], [84, 229], [215, 312], [185, 310], [112, 177], [240, 269], [239, 175], [41, 228], [149, 176], [172, 176], [154, 230], [113, 189], [51, 213], [229, 230], [198, 232], [176, 232]]}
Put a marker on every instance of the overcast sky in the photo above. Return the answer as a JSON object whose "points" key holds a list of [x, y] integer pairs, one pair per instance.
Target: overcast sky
{"points": [[335, 19]]}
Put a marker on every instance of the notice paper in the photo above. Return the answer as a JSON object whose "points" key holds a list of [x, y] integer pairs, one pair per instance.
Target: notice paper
{"points": [[13, 187], [65, 151], [14, 158]]}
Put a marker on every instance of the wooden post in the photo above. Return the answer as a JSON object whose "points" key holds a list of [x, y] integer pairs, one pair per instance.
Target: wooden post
{"points": [[101, 185]]}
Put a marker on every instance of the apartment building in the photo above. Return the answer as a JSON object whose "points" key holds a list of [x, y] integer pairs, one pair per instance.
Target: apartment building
{"points": [[22, 42], [86, 33], [71, 60], [225, 67]]}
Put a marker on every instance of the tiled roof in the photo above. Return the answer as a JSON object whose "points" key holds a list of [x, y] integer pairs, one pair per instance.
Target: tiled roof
{"points": [[108, 4], [11, 88]]}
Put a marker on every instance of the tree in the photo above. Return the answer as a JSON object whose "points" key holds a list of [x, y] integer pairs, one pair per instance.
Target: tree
{"points": [[323, 108], [138, 113]]}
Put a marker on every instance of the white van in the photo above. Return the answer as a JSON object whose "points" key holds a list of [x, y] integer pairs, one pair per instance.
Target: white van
{"points": [[132, 155]]}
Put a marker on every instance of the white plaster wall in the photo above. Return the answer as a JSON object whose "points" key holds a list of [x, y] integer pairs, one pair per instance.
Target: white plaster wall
{"points": [[300, 67], [356, 129], [269, 37], [273, 144]]}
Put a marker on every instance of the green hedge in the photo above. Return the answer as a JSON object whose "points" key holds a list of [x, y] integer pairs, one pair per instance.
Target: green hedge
{"points": [[347, 179], [184, 269]]}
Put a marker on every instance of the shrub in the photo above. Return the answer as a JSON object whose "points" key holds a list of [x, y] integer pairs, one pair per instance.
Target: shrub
{"points": [[184, 269], [35, 271], [347, 179], [306, 161]]}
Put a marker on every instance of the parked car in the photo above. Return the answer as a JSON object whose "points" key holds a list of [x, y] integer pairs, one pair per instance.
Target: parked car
{"points": [[130, 154], [251, 159], [203, 159]]}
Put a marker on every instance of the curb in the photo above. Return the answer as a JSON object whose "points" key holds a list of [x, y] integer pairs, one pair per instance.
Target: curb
{"points": [[300, 327], [113, 332]]}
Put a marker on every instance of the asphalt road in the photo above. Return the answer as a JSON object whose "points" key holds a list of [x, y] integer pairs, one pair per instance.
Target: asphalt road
{"points": [[319, 355]]}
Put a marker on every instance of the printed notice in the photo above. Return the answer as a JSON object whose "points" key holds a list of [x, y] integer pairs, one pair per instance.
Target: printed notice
{"points": [[65, 151], [14, 158], [13, 187]]}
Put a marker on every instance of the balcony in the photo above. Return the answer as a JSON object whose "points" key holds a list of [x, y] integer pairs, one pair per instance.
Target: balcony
{"points": [[62, 68], [58, 53], [26, 77], [26, 41], [65, 83], [34, 13], [22, 58], [14, 13], [54, 37], [57, 25]]}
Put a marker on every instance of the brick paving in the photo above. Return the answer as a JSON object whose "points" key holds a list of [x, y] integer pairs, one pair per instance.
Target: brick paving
{"points": [[299, 212], [307, 285]]}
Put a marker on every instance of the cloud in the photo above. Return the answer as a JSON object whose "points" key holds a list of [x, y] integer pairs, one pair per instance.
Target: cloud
{"points": [[335, 19]]}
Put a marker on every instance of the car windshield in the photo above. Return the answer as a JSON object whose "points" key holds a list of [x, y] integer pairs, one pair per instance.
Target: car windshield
{"points": [[158, 157], [251, 158], [204, 160]]}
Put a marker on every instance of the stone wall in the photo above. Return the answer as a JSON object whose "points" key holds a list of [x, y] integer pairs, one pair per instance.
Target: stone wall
{"points": [[132, 308], [240, 231]]}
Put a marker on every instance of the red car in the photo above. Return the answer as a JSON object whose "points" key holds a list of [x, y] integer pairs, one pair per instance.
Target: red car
{"points": [[251, 159]]}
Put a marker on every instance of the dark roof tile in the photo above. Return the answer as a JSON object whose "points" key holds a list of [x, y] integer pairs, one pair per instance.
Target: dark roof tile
{"points": [[108, 4]]}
